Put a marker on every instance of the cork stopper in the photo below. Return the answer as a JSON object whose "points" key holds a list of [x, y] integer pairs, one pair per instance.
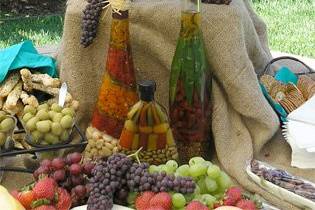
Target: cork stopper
{"points": [[147, 89]]}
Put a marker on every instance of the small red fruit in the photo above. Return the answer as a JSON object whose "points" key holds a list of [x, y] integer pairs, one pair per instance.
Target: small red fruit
{"points": [[58, 163], [75, 169], [232, 196], [45, 188], [26, 198], [246, 205], [156, 208], [46, 163], [143, 201], [64, 199], [162, 199], [45, 207], [196, 205]]}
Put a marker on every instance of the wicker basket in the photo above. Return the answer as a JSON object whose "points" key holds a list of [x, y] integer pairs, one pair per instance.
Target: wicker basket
{"points": [[284, 98]]}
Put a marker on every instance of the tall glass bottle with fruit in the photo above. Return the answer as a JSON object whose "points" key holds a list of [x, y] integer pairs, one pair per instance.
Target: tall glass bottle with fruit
{"points": [[190, 85], [118, 90]]}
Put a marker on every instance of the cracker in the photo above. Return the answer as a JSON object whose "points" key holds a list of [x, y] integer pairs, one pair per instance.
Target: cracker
{"points": [[278, 91], [268, 81]]}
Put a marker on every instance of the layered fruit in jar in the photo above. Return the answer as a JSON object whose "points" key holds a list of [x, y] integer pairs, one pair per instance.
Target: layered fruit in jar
{"points": [[190, 84], [118, 90]]}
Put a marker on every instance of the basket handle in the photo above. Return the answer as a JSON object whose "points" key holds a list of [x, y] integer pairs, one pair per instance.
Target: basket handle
{"points": [[267, 68]]}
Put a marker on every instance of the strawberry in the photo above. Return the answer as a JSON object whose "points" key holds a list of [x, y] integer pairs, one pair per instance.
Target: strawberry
{"points": [[162, 199], [196, 205], [26, 198], [45, 207], [232, 196], [246, 205], [142, 202], [155, 208], [64, 199], [45, 189]]}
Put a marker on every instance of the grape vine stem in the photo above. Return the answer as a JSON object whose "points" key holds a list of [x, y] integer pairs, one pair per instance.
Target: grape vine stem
{"points": [[136, 155]]}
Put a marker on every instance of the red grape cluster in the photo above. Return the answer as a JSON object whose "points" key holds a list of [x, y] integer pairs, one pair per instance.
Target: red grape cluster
{"points": [[70, 174]]}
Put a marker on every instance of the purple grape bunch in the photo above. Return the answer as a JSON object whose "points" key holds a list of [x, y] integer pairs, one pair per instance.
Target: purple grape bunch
{"points": [[90, 21]]}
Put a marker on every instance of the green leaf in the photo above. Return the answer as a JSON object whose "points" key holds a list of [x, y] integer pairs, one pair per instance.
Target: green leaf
{"points": [[40, 202], [176, 68], [189, 70]]}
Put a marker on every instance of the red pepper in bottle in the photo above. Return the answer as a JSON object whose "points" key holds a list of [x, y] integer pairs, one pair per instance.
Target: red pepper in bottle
{"points": [[118, 90], [189, 104]]}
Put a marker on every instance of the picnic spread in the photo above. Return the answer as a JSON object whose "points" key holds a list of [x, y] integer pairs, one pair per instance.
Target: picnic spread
{"points": [[156, 105]]}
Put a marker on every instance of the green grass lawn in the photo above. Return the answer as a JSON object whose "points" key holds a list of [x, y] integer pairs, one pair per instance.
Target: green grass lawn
{"points": [[291, 25], [41, 30]]}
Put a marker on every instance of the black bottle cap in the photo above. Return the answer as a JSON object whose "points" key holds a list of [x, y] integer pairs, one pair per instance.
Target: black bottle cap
{"points": [[147, 89]]}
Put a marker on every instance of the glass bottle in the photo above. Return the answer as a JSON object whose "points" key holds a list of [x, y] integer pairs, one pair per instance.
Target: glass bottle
{"points": [[147, 127], [118, 90], [190, 85]]}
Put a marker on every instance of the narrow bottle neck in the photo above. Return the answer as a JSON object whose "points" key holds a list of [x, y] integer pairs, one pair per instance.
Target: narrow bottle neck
{"points": [[190, 24], [192, 6], [119, 37]]}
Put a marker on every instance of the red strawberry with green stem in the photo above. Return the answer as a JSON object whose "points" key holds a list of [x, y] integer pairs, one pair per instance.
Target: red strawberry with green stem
{"points": [[45, 189], [196, 205], [63, 199], [246, 205], [26, 198], [142, 202], [232, 196], [45, 207], [162, 199]]}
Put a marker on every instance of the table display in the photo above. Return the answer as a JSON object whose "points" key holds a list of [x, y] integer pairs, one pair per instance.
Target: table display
{"points": [[135, 153]]}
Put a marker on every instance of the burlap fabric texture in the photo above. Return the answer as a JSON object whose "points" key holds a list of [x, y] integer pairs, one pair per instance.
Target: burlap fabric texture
{"points": [[236, 41]]}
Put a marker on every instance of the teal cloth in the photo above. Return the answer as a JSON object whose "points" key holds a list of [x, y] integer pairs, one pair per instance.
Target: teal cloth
{"points": [[24, 55], [276, 106], [286, 76]]}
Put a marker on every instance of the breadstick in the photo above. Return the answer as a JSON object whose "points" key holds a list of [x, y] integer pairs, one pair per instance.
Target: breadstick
{"points": [[12, 99], [27, 79], [7, 86], [1, 102], [29, 99], [44, 79]]}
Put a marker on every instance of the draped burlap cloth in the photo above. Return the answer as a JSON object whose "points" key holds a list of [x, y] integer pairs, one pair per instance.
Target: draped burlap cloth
{"points": [[236, 41]]}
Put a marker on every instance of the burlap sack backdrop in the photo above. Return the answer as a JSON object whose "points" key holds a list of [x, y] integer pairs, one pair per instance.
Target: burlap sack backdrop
{"points": [[236, 42]]}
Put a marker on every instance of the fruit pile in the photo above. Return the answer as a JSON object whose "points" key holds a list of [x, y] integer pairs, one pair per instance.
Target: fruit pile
{"points": [[176, 201], [48, 124], [211, 181], [7, 124], [100, 144], [119, 176], [43, 195], [69, 173]]}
